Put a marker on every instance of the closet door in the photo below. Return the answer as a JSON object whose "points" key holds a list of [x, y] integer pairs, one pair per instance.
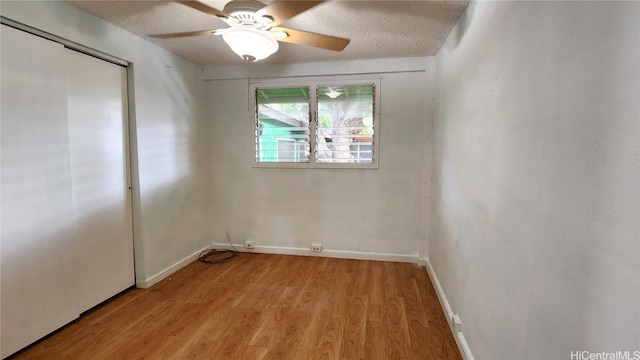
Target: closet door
{"points": [[97, 109], [38, 249]]}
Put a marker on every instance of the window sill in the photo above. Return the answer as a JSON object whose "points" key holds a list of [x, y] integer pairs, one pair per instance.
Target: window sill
{"points": [[373, 166]]}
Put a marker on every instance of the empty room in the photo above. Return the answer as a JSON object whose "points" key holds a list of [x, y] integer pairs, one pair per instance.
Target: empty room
{"points": [[290, 180]]}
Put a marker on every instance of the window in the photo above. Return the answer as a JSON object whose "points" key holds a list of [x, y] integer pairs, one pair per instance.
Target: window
{"points": [[316, 125], [282, 125]]}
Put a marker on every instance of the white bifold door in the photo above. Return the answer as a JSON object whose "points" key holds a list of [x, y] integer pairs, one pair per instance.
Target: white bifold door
{"points": [[66, 234], [37, 243], [96, 110]]}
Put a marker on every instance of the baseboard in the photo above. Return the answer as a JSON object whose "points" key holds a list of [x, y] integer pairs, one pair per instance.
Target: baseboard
{"points": [[340, 254], [423, 262], [147, 283], [463, 346]]}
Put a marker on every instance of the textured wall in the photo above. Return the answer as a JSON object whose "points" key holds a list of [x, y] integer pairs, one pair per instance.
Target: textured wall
{"points": [[173, 168], [536, 200], [371, 211]]}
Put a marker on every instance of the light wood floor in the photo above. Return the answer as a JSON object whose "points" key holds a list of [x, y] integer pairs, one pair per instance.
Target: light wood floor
{"points": [[259, 306]]}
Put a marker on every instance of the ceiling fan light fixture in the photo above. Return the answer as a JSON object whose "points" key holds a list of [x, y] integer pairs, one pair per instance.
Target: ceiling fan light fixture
{"points": [[249, 43], [333, 93]]}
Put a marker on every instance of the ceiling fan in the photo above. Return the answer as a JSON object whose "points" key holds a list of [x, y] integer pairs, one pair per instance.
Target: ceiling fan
{"points": [[254, 30]]}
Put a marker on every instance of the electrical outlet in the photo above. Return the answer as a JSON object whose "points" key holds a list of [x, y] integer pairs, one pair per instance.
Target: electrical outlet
{"points": [[316, 247], [249, 244], [457, 323]]}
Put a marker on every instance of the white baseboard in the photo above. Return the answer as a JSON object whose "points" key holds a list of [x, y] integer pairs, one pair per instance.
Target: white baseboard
{"points": [[463, 346], [423, 262], [147, 283], [340, 254]]}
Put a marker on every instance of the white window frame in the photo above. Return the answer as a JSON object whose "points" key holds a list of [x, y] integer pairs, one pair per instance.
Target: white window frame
{"points": [[313, 83]]}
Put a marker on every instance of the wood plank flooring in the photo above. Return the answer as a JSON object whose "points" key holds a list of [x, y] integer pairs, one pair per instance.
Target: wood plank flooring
{"points": [[259, 306]]}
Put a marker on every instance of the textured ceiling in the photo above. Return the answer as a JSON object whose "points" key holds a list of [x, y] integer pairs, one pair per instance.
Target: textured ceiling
{"points": [[377, 29]]}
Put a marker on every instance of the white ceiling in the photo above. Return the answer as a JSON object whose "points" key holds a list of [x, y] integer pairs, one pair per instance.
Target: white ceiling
{"points": [[377, 29]]}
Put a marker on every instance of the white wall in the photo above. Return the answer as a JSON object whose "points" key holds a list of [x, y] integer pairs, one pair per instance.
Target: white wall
{"points": [[536, 200], [352, 210], [172, 202]]}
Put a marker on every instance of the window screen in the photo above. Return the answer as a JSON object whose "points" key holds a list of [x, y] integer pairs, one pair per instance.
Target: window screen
{"points": [[282, 125], [345, 128]]}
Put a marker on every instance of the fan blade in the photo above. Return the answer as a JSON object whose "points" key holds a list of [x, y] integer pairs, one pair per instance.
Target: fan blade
{"points": [[204, 8], [281, 11], [312, 39], [185, 34]]}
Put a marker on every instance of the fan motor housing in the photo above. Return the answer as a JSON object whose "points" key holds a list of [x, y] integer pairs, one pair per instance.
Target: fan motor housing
{"points": [[243, 10]]}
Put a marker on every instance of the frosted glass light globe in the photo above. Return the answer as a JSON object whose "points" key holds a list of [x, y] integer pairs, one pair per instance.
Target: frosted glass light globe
{"points": [[249, 43]]}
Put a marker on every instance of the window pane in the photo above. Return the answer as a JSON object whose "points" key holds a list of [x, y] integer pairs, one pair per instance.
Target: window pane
{"points": [[345, 132], [282, 125]]}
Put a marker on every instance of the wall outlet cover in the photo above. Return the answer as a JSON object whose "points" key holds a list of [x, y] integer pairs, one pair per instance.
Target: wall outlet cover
{"points": [[457, 323]]}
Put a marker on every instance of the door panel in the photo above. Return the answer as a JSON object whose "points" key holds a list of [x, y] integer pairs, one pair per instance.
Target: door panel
{"points": [[96, 102], [38, 249]]}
